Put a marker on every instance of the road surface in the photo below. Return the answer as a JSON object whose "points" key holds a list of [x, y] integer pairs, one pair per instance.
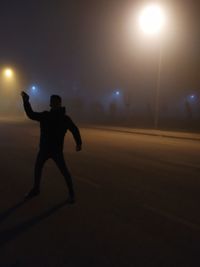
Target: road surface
{"points": [[137, 203]]}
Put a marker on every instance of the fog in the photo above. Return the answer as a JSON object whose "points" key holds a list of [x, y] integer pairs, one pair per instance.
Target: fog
{"points": [[94, 55], [114, 106]]}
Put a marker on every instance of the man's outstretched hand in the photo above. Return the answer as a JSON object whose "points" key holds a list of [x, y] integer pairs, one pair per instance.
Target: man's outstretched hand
{"points": [[25, 96]]}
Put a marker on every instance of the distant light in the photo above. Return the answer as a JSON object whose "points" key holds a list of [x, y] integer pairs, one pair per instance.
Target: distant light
{"points": [[192, 96], [117, 93], [152, 19], [33, 88], [8, 73]]}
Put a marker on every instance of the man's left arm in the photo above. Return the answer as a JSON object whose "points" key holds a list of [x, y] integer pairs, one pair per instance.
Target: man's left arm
{"points": [[75, 132]]}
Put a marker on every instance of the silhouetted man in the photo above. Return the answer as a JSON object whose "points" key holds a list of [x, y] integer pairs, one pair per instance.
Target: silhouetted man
{"points": [[53, 127]]}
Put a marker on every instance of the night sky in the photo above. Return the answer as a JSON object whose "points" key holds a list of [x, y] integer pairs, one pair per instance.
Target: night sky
{"points": [[59, 43]]}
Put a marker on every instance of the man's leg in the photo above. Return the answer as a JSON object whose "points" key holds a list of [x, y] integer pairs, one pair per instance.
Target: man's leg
{"points": [[40, 160], [60, 162], [42, 157]]}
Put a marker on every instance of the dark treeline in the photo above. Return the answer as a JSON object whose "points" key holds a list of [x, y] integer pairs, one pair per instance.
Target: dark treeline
{"points": [[117, 110]]}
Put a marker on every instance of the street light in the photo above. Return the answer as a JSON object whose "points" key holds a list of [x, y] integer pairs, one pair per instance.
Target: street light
{"points": [[152, 21], [9, 83], [8, 73]]}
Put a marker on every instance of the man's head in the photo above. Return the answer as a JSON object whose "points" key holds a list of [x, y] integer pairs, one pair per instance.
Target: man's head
{"points": [[55, 101]]}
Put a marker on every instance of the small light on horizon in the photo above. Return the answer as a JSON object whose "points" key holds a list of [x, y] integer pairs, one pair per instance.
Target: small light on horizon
{"points": [[192, 98]]}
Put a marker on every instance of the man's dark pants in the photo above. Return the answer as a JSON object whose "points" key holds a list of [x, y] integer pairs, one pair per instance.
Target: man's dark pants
{"points": [[58, 158]]}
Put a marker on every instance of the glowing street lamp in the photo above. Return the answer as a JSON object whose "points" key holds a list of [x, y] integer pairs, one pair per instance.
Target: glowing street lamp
{"points": [[8, 73], [10, 83], [152, 20]]}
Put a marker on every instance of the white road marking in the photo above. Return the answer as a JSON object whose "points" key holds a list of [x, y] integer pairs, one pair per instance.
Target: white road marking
{"points": [[87, 181], [174, 218]]}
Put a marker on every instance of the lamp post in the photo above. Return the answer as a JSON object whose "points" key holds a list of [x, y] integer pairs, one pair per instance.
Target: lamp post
{"points": [[152, 20]]}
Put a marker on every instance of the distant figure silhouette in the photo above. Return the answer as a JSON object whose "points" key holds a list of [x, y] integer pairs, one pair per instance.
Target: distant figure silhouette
{"points": [[53, 126]]}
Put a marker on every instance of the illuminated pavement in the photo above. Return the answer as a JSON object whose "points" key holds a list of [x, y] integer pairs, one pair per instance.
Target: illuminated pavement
{"points": [[137, 202]]}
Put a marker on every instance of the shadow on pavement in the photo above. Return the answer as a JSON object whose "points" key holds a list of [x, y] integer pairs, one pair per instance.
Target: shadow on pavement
{"points": [[9, 211], [16, 264], [10, 234]]}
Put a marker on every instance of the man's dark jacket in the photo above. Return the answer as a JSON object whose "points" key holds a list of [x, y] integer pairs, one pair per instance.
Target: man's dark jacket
{"points": [[53, 125]]}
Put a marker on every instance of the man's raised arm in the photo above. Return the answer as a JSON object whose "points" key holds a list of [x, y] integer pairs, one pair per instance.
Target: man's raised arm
{"points": [[28, 109]]}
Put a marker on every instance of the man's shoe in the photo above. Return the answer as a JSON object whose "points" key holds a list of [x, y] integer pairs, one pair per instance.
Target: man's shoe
{"points": [[33, 193]]}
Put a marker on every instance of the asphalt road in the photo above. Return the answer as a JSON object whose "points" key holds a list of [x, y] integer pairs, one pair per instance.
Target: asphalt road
{"points": [[137, 202]]}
